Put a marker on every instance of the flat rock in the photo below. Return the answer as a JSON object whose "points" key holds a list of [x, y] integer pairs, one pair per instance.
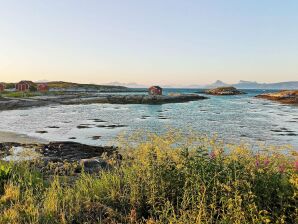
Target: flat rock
{"points": [[96, 137], [10, 104], [62, 151], [82, 126], [111, 126], [41, 132], [137, 99], [53, 127], [73, 151]]}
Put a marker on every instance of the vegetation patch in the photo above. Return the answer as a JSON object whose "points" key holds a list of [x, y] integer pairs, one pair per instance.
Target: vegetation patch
{"points": [[161, 179], [20, 94], [70, 85]]}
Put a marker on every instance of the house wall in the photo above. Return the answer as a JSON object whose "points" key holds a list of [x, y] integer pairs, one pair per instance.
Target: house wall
{"points": [[22, 87], [2, 87], [42, 88], [155, 91]]}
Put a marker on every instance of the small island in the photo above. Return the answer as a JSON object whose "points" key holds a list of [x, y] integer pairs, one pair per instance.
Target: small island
{"points": [[224, 91], [284, 96]]}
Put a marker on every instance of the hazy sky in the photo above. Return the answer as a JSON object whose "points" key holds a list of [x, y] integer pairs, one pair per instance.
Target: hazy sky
{"points": [[149, 41]]}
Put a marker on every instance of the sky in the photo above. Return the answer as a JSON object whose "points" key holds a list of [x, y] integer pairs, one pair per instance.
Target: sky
{"points": [[164, 42]]}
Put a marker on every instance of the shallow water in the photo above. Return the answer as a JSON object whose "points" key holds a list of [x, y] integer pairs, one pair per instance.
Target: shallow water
{"points": [[233, 118]]}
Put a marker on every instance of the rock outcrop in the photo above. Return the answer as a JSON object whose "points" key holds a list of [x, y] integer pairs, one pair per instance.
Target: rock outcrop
{"points": [[72, 151], [64, 158], [137, 99], [62, 151], [10, 104], [284, 96], [221, 91]]}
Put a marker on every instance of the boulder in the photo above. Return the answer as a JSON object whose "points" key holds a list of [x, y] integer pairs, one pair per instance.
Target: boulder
{"points": [[94, 165]]}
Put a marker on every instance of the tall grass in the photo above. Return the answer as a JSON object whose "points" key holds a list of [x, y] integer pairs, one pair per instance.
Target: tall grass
{"points": [[162, 179]]}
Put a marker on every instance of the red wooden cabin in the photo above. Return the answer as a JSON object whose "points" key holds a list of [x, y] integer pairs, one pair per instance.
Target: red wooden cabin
{"points": [[155, 90], [2, 87], [24, 86], [42, 87]]}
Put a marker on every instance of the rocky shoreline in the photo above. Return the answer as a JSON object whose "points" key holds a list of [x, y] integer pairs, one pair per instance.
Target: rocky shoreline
{"points": [[284, 96], [60, 151], [17, 103], [57, 154]]}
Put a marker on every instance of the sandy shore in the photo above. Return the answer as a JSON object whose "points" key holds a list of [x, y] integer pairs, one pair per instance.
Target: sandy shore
{"points": [[19, 138]]}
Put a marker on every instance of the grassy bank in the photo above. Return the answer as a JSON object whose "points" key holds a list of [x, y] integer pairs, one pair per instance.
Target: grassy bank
{"points": [[163, 179], [20, 94], [30, 94]]}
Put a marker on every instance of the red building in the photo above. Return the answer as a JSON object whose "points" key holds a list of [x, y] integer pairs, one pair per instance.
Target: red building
{"points": [[155, 90], [42, 87], [24, 86], [2, 87]]}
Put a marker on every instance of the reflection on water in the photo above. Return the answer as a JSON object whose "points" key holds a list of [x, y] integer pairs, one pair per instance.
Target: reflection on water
{"points": [[233, 118]]}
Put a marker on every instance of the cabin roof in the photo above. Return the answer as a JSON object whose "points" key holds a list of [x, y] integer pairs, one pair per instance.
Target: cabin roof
{"points": [[26, 82], [155, 87]]}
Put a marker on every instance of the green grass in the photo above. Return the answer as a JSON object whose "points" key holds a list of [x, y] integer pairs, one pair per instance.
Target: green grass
{"points": [[30, 94], [163, 179], [20, 94], [66, 85]]}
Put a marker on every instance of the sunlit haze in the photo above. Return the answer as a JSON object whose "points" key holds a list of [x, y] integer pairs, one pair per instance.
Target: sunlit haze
{"points": [[149, 42]]}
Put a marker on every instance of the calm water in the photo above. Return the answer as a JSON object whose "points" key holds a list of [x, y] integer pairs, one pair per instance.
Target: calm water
{"points": [[233, 118]]}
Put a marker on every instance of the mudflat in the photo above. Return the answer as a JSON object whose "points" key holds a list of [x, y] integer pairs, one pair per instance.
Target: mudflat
{"points": [[19, 138]]}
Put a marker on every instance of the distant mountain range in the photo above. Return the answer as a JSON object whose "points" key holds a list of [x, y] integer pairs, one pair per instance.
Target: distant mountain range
{"points": [[129, 85], [255, 85], [240, 85]]}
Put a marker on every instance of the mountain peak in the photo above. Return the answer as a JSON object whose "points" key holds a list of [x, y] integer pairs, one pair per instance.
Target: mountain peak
{"points": [[218, 83]]}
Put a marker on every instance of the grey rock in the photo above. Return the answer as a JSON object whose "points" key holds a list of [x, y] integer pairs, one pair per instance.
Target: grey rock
{"points": [[94, 165]]}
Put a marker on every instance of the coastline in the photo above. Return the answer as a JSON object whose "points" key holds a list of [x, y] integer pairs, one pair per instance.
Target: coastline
{"points": [[6, 136]]}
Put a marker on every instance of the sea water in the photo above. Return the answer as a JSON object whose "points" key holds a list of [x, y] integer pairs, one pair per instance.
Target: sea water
{"points": [[232, 118]]}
